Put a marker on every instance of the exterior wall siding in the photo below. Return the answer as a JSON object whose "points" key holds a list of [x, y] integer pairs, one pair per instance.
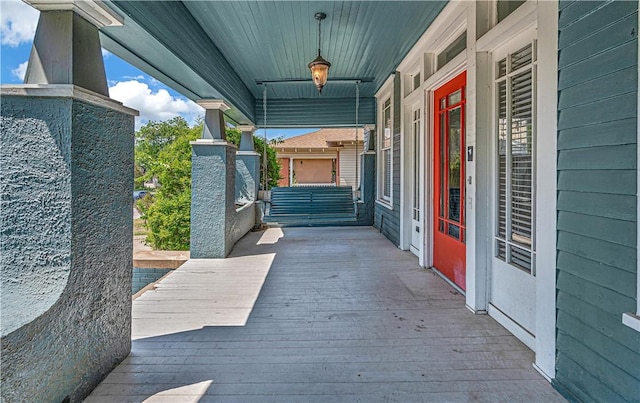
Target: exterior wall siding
{"points": [[390, 219], [347, 167], [597, 356]]}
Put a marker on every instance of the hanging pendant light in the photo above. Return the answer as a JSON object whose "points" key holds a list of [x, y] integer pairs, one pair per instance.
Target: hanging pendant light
{"points": [[319, 67]]}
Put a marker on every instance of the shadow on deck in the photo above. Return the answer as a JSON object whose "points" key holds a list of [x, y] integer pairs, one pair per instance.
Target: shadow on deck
{"points": [[342, 316]]}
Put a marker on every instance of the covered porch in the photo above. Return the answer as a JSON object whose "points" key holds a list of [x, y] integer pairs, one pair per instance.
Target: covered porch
{"points": [[342, 315]]}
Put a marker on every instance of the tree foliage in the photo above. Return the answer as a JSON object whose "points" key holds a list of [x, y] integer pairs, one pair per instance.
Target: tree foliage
{"points": [[152, 139], [163, 151]]}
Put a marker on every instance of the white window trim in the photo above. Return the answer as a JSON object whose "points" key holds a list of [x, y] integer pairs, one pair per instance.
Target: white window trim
{"points": [[633, 319], [385, 92]]}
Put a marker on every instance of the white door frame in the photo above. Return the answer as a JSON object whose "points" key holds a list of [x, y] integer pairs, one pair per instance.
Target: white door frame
{"points": [[418, 105], [545, 14], [437, 80]]}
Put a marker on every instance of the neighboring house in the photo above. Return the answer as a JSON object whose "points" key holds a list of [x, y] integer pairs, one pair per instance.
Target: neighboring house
{"points": [[324, 157]]}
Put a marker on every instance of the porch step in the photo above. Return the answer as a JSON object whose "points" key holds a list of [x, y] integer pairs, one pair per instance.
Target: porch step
{"points": [[311, 206]]}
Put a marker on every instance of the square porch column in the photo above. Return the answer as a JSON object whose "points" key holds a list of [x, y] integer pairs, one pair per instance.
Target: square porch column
{"points": [[66, 228], [366, 204], [248, 166], [213, 168]]}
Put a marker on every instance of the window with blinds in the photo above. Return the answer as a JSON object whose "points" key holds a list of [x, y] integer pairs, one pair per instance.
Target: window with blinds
{"points": [[416, 163], [515, 98], [385, 150]]}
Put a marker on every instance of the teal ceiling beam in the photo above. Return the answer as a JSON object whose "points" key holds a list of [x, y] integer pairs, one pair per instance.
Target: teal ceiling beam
{"points": [[316, 112], [341, 80]]}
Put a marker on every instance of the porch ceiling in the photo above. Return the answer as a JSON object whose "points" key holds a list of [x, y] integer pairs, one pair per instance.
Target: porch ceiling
{"points": [[220, 49]]}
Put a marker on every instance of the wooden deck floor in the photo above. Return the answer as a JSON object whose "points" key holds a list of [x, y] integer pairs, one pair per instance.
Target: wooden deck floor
{"points": [[343, 316]]}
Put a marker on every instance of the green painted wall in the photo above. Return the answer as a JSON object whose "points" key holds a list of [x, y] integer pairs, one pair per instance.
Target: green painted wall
{"points": [[598, 358], [388, 221]]}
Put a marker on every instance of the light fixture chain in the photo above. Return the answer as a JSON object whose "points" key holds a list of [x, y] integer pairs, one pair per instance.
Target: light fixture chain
{"points": [[319, 35], [264, 150], [357, 113]]}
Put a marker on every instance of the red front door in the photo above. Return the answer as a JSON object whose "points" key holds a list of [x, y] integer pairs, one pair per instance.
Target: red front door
{"points": [[449, 249]]}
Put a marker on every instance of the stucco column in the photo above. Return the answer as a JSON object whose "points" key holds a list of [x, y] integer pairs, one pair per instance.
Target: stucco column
{"points": [[213, 165], [66, 182], [247, 167]]}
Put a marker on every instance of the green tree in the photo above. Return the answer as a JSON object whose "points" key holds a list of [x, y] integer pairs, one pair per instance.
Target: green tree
{"points": [[163, 151], [150, 140]]}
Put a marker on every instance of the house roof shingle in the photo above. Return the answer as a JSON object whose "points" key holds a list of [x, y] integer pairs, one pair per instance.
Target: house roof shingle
{"points": [[322, 138]]}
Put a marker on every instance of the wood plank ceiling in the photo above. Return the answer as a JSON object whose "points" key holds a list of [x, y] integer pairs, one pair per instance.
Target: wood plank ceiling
{"points": [[221, 48]]}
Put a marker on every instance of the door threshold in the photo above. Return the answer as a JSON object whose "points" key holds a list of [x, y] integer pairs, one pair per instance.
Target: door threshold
{"points": [[451, 283]]}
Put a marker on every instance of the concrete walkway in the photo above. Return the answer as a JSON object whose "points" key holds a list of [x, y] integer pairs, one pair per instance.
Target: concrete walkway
{"points": [[343, 316]]}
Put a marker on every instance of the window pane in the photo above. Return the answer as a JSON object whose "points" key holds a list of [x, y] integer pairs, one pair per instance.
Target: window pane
{"points": [[501, 253], [454, 231], [386, 177], [501, 69], [416, 81], [521, 258], [521, 158], [416, 160], [454, 164], [521, 58], [455, 97], [386, 139], [443, 161], [507, 7], [502, 159], [454, 49]]}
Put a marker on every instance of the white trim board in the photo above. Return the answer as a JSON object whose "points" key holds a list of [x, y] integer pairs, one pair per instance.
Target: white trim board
{"points": [[546, 187]]}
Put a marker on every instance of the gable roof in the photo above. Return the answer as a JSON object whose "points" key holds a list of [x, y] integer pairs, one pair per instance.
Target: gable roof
{"points": [[323, 138]]}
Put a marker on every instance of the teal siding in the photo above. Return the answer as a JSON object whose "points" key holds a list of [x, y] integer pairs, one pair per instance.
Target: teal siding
{"points": [[390, 219], [597, 356]]}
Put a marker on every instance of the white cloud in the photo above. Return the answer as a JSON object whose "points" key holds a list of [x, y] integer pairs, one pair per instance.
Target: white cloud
{"points": [[158, 105], [18, 22], [106, 53], [20, 71]]}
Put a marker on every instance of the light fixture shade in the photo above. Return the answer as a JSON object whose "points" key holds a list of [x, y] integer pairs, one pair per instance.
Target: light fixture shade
{"points": [[319, 72]]}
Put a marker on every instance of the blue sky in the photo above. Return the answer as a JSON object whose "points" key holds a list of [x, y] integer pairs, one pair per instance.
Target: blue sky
{"points": [[127, 84]]}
